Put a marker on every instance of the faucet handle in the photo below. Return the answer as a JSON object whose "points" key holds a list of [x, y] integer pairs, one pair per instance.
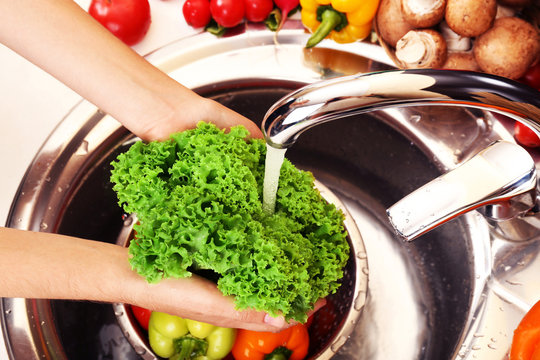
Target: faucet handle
{"points": [[501, 177]]}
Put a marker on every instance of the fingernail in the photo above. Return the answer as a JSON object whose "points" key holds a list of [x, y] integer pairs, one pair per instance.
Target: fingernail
{"points": [[278, 322]]}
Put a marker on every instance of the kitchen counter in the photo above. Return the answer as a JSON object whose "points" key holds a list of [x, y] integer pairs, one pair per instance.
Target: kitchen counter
{"points": [[33, 102]]}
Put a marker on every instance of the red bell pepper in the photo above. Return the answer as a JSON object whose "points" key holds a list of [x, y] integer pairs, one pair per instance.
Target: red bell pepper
{"points": [[526, 340]]}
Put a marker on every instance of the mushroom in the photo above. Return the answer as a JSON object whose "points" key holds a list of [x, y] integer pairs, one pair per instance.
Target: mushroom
{"points": [[454, 41], [390, 22], [461, 60], [470, 18], [423, 48], [509, 48], [423, 13]]}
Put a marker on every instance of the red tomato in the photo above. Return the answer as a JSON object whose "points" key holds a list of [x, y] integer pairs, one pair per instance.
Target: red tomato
{"points": [[128, 20], [142, 315], [197, 12], [532, 76], [258, 10], [525, 136], [227, 13]]}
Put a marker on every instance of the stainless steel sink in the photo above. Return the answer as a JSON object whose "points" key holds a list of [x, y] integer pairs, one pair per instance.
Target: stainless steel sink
{"points": [[455, 293]]}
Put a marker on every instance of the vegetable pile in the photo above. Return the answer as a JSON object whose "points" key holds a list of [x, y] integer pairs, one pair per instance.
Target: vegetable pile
{"points": [[198, 199], [216, 16], [177, 338], [499, 37]]}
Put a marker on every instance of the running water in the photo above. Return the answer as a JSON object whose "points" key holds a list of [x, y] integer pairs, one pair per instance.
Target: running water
{"points": [[273, 162]]}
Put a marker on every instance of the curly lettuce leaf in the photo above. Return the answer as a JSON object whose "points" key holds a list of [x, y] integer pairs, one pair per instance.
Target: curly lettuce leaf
{"points": [[198, 199]]}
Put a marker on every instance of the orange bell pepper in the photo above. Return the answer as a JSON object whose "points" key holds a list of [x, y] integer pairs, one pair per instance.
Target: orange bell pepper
{"points": [[289, 344], [526, 340]]}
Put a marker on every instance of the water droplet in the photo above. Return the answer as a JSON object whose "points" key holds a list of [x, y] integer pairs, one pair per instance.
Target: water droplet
{"points": [[140, 351], [512, 282], [7, 312], [478, 335], [59, 189], [43, 226], [118, 313], [360, 301], [338, 343], [476, 347], [365, 271], [42, 322], [492, 346], [361, 255], [415, 118]]}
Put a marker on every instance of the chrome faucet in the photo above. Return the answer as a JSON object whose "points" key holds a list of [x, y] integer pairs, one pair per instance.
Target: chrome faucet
{"points": [[500, 181]]}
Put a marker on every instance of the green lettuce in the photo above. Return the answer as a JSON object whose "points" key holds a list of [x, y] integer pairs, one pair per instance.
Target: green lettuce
{"points": [[198, 199]]}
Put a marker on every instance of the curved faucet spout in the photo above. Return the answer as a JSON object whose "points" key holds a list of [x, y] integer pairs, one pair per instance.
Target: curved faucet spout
{"points": [[351, 95], [501, 177], [511, 190]]}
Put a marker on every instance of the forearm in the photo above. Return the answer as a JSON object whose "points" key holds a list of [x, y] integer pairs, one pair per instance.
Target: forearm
{"points": [[61, 38], [43, 265], [51, 266]]}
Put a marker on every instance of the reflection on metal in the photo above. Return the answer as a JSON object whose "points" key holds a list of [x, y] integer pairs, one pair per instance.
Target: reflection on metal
{"points": [[474, 185]]}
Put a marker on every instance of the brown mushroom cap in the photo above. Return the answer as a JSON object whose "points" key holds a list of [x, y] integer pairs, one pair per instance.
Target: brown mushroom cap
{"points": [[470, 18], [508, 49], [461, 60], [390, 22]]}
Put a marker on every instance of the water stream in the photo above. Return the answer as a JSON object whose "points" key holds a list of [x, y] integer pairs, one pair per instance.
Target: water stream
{"points": [[274, 160]]}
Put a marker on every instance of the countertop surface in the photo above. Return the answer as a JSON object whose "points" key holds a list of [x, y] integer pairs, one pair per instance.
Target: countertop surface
{"points": [[33, 102]]}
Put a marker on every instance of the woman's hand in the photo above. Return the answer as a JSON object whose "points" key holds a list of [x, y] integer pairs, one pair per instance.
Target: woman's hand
{"points": [[52, 266], [184, 113]]}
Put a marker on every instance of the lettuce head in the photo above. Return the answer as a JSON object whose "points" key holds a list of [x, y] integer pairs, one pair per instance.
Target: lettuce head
{"points": [[198, 200]]}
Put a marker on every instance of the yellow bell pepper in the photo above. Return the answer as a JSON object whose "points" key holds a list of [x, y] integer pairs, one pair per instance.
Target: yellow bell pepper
{"points": [[343, 21]]}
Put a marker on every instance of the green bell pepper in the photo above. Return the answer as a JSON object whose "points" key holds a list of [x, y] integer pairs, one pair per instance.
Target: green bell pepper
{"points": [[182, 339]]}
